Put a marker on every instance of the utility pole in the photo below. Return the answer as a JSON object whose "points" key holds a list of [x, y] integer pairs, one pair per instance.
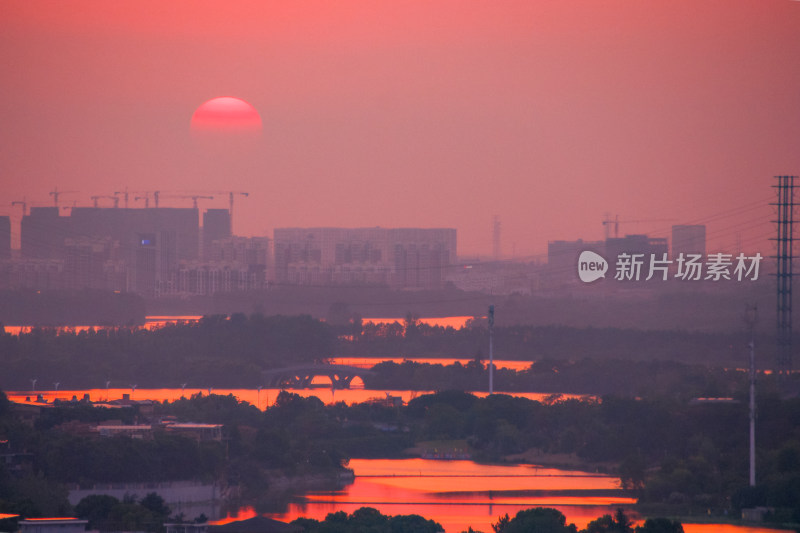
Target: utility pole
{"points": [[751, 316], [491, 352]]}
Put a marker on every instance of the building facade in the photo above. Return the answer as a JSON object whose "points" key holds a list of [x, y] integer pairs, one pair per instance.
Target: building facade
{"points": [[395, 257]]}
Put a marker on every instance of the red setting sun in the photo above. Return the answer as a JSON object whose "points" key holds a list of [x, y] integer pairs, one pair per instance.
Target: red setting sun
{"points": [[226, 114]]}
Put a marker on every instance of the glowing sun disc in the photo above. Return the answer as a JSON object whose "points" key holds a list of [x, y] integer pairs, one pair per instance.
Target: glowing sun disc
{"points": [[226, 114]]}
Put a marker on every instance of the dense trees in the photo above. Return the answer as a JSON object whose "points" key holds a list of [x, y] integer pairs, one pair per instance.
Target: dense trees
{"points": [[106, 513], [221, 351], [216, 351], [579, 376], [547, 520], [692, 458], [367, 519], [539, 519]]}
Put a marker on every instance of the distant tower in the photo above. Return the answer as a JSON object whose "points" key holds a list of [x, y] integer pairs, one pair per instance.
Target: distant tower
{"points": [[783, 275], [496, 237]]}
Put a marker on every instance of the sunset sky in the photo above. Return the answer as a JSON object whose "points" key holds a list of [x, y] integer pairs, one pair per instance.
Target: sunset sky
{"points": [[548, 113]]}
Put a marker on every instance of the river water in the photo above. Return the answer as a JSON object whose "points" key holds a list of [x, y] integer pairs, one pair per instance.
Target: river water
{"points": [[261, 398], [457, 494], [460, 494]]}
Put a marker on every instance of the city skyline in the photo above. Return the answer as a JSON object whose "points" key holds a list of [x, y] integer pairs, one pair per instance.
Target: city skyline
{"points": [[550, 115]]}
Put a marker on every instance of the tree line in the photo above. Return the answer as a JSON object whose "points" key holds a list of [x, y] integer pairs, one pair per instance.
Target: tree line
{"points": [[232, 352], [669, 453]]}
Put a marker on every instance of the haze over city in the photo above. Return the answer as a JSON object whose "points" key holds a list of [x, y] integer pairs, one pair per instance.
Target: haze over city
{"points": [[403, 266], [415, 114]]}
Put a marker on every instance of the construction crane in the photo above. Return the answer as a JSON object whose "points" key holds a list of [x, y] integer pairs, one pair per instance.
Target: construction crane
{"points": [[24, 205], [146, 199], [125, 195], [608, 222], [114, 198], [157, 195], [194, 197], [231, 194], [55, 193]]}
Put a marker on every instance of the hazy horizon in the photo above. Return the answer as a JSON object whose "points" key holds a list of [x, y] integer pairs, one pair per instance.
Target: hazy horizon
{"points": [[549, 114]]}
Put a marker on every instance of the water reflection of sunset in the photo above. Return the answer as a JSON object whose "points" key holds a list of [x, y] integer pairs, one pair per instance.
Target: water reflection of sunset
{"points": [[367, 362], [263, 398], [459, 494], [455, 322], [160, 321], [151, 323]]}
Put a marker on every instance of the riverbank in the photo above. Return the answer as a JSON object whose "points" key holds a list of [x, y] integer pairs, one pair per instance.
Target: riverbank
{"points": [[697, 515], [566, 461]]}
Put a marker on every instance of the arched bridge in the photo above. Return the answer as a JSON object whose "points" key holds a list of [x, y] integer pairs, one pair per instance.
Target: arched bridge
{"points": [[300, 377]]}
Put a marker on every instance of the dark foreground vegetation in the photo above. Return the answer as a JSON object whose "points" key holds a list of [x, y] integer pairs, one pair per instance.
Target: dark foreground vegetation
{"points": [[676, 457], [231, 352], [540, 519]]}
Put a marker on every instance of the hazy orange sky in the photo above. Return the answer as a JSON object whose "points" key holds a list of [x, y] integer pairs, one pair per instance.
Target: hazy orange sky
{"points": [[415, 113]]}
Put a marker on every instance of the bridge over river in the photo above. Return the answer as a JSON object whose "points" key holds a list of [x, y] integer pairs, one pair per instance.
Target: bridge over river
{"points": [[300, 377]]}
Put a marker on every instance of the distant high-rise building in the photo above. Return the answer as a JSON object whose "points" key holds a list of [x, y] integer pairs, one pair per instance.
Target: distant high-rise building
{"points": [[144, 264], [154, 264], [43, 233], [398, 257], [5, 238], [562, 257], [634, 245], [688, 239], [124, 225], [216, 227], [84, 261]]}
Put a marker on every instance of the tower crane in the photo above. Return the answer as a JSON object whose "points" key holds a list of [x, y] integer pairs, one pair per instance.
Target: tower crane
{"points": [[197, 197], [146, 199], [608, 222], [55, 193], [114, 198], [24, 205], [231, 194], [194, 197], [125, 195]]}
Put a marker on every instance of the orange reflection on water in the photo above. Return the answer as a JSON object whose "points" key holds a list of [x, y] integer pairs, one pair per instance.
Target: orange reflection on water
{"points": [[453, 517], [727, 528], [262, 399], [453, 477], [367, 362], [460, 494], [455, 322], [150, 323], [17, 330], [244, 513], [156, 322]]}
